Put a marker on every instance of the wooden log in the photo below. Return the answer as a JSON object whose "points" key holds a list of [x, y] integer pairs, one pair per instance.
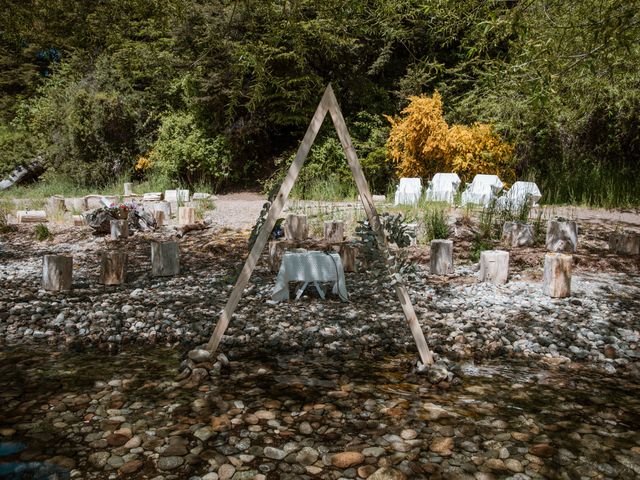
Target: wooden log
{"points": [[334, 231], [186, 215], [296, 228], [562, 236], [158, 216], [625, 243], [79, 221], [182, 230], [494, 266], [113, 267], [31, 216], [441, 257], [516, 234], [57, 271], [557, 275], [119, 229], [165, 259], [56, 205], [164, 207], [128, 189]]}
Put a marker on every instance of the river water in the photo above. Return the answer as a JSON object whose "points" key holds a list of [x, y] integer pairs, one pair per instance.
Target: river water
{"points": [[502, 419]]}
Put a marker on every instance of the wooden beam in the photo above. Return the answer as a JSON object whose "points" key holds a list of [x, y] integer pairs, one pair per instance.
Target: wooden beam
{"points": [[376, 226], [267, 227]]}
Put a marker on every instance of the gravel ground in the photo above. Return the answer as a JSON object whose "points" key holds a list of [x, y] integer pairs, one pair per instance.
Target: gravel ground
{"points": [[543, 388]]}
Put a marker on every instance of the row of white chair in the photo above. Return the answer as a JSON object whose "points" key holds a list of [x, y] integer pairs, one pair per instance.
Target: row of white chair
{"points": [[481, 191]]}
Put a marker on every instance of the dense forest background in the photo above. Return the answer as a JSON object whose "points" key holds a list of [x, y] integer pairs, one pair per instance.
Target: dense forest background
{"points": [[221, 91]]}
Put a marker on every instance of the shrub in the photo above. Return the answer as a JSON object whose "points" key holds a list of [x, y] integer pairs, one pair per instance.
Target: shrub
{"points": [[185, 151], [435, 224], [42, 232], [421, 143]]}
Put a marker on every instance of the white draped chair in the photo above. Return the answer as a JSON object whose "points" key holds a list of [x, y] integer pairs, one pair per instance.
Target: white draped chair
{"points": [[443, 187]]}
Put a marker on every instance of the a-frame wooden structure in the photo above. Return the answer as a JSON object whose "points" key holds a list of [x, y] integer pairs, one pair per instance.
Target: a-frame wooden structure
{"points": [[329, 104]]}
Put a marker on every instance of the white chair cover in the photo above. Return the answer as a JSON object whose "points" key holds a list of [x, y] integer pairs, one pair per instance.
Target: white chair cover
{"points": [[518, 194], [443, 187], [482, 190], [408, 192]]}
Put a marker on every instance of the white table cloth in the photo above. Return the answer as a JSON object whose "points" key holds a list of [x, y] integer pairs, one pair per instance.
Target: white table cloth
{"points": [[309, 267], [443, 187], [408, 192]]}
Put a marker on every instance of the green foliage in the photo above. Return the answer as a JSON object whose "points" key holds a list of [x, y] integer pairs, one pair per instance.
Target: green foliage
{"points": [[478, 245], [394, 226], [42, 232], [86, 85], [435, 223], [184, 150]]}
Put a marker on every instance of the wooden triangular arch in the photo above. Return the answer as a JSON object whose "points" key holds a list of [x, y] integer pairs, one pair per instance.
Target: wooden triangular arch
{"points": [[329, 103]]}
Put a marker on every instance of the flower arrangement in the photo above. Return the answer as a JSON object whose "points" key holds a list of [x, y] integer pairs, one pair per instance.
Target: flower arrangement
{"points": [[121, 210]]}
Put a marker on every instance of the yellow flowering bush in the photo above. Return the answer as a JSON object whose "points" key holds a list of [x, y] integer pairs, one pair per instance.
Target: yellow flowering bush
{"points": [[144, 163], [421, 143]]}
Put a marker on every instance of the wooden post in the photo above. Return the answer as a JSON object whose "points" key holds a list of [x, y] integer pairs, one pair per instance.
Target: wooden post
{"points": [[119, 229], [441, 257], [334, 231], [562, 236], [494, 266], [376, 226], [113, 267], [267, 227], [557, 275], [186, 215], [516, 234], [296, 228], [158, 216], [327, 104], [165, 259], [57, 271], [625, 243], [128, 189]]}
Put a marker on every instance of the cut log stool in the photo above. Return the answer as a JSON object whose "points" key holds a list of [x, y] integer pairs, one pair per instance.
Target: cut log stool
{"points": [[518, 234], [557, 275], [119, 229], [78, 221], [494, 266], [562, 236], [441, 257], [56, 205], [164, 207], [625, 243], [295, 227], [349, 257], [57, 272], [113, 267], [334, 231], [186, 215], [165, 259], [158, 216]]}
